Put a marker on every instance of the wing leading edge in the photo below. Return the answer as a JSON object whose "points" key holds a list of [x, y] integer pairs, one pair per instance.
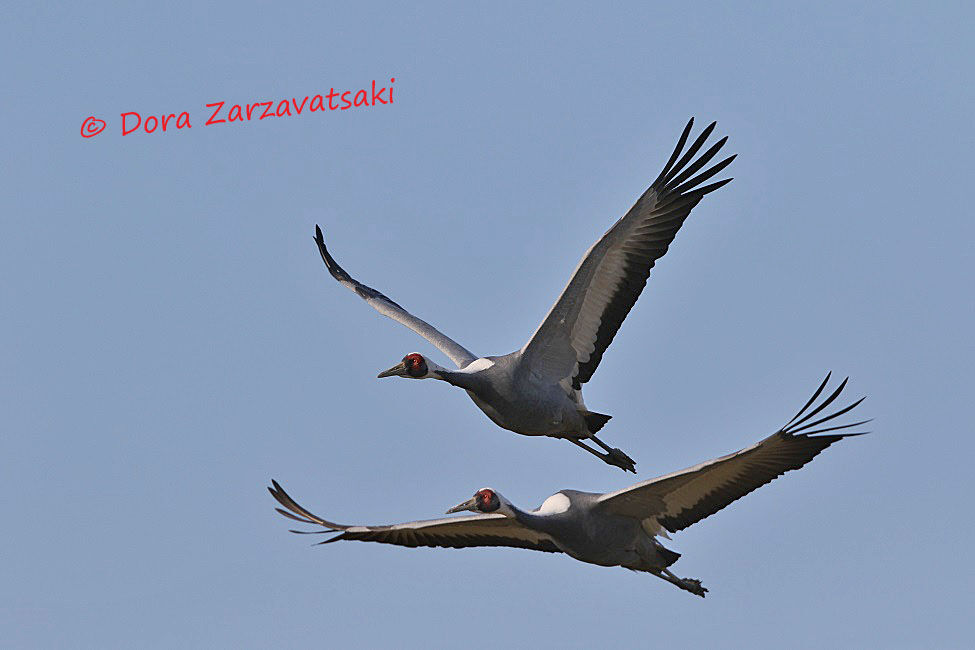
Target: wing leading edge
{"points": [[572, 338], [448, 532]]}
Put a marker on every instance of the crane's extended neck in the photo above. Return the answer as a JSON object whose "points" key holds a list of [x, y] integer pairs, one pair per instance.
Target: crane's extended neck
{"points": [[460, 379], [541, 523]]}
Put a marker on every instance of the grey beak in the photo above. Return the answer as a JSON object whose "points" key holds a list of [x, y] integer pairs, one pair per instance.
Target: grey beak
{"points": [[470, 504], [399, 370]]}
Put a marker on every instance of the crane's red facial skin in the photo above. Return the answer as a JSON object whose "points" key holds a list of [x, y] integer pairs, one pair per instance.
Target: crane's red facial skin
{"points": [[416, 365], [487, 501]]}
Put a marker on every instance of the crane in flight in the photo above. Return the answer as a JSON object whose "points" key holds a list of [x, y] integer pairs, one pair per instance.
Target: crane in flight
{"points": [[537, 390], [616, 528]]}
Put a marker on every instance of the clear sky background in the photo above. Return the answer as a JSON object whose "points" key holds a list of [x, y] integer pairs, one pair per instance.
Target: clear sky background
{"points": [[171, 341]]}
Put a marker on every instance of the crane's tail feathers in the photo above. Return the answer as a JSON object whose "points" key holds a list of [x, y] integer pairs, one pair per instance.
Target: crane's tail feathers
{"points": [[595, 421], [668, 555], [800, 424]]}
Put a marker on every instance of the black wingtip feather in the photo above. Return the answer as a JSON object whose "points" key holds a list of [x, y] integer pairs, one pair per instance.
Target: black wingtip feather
{"points": [[826, 402], [783, 451], [691, 169], [799, 425], [840, 427], [681, 141], [285, 500], [707, 189], [689, 154], [333, 267], [705, 175], [291, 516], [811, 399], [828, 417]]}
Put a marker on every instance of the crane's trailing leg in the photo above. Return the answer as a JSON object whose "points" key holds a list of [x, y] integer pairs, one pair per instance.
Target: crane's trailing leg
{"points": [[613, 456], [687, 584], [617, 454]]}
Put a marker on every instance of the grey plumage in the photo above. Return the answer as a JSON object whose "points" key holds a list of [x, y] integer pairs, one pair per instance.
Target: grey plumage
{"points": [[456, 352], [617, 528], [537, 390]]}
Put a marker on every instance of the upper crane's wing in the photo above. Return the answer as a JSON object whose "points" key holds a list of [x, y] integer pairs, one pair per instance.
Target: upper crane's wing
{"points": [[457, 352], [571, 340], [449, 532], [683, 498]]}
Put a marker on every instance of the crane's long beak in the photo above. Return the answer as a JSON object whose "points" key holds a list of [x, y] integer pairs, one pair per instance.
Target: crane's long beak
{"points": [[399, 370], [470, 504]]}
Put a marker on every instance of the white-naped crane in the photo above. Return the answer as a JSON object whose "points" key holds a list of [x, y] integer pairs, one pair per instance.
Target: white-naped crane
{"points": [[617, 528], [537, 390]]}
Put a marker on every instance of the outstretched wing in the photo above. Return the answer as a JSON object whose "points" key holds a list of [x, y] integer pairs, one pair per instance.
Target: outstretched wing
{"points": [[570, 342], [686, 497], [457, 352], [449, 532]]}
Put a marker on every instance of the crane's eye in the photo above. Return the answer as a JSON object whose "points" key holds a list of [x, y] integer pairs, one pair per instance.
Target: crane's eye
{"points": [[485, 497]]}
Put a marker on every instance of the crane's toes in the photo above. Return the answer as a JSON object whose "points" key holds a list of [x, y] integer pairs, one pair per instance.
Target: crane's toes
{"points": [[694, 586], [621, 460]]}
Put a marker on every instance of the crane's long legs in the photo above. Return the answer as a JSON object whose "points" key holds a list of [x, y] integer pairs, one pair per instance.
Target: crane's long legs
{"points": [[604, 445], [612, 456], [617, 454], [687, 584]]}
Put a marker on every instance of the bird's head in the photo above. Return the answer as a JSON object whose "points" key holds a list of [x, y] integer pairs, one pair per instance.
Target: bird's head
{"points": [[413, 366], [486, 501]]}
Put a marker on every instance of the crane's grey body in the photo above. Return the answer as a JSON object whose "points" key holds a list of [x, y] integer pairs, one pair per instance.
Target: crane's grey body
{"points": [[536, 391], [516, 399], [616, 528], [596, 535]]}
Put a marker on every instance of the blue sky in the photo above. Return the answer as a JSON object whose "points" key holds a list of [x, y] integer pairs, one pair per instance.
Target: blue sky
{"points": [[171, 342]]}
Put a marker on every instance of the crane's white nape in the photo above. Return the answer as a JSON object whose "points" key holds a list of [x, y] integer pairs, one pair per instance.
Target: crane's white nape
{"points": [[554, 505], [477, 365]]}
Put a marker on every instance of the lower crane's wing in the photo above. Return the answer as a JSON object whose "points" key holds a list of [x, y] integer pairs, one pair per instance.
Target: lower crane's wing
{"points": [[449, 532], [570, 342], [677, 500], [457, 352]]}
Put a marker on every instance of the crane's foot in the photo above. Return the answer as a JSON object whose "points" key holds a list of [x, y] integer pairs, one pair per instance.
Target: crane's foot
{"points": [[694, 586], [616, 457], [613, 456]]}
